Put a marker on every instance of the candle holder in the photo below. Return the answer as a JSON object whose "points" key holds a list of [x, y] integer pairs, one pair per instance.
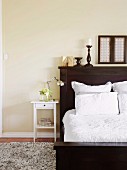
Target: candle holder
{"points": [[88, 57], [78, 61]]}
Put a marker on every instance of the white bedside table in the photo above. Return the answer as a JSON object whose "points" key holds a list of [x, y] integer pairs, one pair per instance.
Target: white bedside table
{"points": [[44, 105]]}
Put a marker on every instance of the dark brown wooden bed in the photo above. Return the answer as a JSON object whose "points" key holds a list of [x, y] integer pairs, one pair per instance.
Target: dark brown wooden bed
{"points": [[88, 156]]}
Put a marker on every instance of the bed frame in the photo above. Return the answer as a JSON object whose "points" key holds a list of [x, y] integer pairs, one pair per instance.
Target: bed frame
{"points": [[88, 156]]}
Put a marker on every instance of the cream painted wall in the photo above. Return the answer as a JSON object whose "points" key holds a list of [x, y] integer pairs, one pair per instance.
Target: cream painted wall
{"points": [[36, 33]]}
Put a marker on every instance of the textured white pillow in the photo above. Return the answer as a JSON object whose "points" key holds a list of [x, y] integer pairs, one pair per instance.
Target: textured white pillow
{"points": [[122, 98], [120, 86], [97, 103], [80, 88]]}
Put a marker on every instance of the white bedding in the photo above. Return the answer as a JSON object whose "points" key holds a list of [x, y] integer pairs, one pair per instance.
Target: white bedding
{"points": [[95, 128]]}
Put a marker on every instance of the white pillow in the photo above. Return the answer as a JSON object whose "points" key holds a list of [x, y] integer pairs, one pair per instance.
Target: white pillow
{"points": [[80, 88], [122, 98], [120, 86], [97, 103]]}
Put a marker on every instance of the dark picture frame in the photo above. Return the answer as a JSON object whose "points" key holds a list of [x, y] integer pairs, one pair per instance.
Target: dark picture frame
{"points": [[112, 49]]}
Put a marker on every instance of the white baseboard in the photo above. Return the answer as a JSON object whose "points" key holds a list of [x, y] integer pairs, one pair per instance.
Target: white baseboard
{"points": [[28, 135]]}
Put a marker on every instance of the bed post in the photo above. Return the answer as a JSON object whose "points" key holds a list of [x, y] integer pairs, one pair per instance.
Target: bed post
{"points": [[63, 97]]}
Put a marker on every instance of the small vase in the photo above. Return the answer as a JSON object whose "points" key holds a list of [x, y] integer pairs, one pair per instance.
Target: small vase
{"points": [[47, 98], [42, 97]]}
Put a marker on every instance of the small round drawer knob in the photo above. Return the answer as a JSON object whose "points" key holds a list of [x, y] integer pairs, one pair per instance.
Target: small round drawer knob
{"points": [[44, 104]]}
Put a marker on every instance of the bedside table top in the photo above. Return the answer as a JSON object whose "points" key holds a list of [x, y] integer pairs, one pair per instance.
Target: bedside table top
{"points": [[56, 101]]}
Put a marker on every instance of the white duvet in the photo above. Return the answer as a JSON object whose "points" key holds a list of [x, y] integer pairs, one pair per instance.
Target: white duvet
{"points": [[95, 128]]}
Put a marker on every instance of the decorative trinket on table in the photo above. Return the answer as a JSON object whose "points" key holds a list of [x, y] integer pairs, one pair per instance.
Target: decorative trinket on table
{"points": [[45, 122], [67, 61], [78, 61]]}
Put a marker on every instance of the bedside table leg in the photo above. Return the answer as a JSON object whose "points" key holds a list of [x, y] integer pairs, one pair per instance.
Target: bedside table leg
{"points": [[35, 123], [35, 135], [54, 122], [54, 135]]}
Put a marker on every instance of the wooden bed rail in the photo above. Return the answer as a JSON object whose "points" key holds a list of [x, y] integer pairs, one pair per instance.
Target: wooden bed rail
{"points": [[91, 156]]}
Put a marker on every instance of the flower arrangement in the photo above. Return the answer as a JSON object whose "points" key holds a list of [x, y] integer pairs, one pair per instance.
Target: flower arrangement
{"points": [[46, 92]]}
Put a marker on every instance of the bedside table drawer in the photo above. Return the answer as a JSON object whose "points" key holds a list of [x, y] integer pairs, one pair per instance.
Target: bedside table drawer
{"points": [[44, 106]]}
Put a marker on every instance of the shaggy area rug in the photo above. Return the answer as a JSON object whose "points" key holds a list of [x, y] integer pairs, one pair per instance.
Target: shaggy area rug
{"points": [[27, 156]]}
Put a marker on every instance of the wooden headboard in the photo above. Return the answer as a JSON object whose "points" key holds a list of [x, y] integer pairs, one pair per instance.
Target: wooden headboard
{"points": [[90, 76]]}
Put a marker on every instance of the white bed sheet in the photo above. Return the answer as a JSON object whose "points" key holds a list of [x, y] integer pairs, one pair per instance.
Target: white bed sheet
{"points": [[95, 128]]}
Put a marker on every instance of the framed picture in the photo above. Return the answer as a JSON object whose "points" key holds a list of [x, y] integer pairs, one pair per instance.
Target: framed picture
{"points": [[67, 60], [112, 49]]}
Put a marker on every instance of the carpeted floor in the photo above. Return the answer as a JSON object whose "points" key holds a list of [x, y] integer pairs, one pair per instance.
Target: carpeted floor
{"points": [[27, 156]]}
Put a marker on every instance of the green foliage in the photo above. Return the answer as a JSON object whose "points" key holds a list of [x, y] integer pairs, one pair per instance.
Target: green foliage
{"points": [[46, 91]]}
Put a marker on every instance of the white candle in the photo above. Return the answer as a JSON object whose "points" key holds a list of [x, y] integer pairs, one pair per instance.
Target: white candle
{"points": [[89, 41]]}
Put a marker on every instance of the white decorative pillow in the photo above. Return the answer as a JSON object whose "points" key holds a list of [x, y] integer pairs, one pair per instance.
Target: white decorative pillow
{"points": [[97, 103], [122, 98], [80, 88], [120, 86]]}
